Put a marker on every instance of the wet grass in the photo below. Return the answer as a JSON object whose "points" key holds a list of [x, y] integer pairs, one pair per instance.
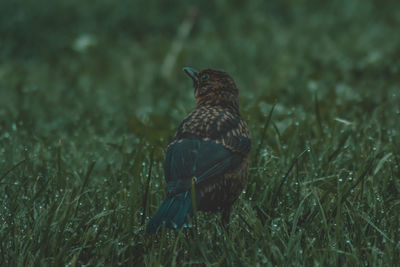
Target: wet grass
{"points": [[82, 133]]}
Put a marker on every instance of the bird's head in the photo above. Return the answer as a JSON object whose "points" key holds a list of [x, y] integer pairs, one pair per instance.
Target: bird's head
{"points": [[214, 87]]}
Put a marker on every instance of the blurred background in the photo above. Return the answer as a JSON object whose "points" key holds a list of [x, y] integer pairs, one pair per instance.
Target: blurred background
{"points": [[67, 63]]}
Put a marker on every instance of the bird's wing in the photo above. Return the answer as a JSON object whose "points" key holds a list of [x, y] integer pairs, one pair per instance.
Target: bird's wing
{"points": [[201, 159]]}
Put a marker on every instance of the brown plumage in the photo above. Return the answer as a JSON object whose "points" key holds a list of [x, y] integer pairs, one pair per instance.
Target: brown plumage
{"points": [[211, 148]]}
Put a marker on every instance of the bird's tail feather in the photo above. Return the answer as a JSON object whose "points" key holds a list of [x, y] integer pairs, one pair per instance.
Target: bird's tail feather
{"points": [[173, 211]]}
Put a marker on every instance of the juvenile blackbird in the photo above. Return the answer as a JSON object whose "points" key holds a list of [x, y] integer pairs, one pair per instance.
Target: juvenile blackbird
{"points": [[210, 149]]}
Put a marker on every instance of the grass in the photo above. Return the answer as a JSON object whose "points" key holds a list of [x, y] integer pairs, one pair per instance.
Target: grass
{"points": [[83, 128]]}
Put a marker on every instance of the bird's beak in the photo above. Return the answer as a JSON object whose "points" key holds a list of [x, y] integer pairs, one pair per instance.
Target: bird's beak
{"points": [[192, 74]]}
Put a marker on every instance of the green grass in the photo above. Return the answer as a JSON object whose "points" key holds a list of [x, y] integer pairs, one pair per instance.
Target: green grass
{"points": [[82, 131]]}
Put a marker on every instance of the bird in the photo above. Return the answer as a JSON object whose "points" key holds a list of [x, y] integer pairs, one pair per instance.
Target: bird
{"points": [[209, 153]]}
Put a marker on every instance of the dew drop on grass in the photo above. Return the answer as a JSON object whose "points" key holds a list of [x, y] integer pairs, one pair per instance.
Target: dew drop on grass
{"points": [[340, 180], [348, 241], [6, 135], [265, 152]]}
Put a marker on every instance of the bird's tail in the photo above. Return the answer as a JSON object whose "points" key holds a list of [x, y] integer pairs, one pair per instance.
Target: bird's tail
{"points": [[174, 211]]}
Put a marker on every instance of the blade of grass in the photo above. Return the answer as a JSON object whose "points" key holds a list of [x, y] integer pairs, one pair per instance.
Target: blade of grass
{"points": [[264, 132], [381, 162], [339, 148], [274, 199], [318, 114], [294, 226], [85, 182], [146, 191], [59, 157], [369, 221], [11, 169]]}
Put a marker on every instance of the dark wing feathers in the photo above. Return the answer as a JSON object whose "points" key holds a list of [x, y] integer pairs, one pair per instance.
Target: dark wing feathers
{"points": [[203, 159]]}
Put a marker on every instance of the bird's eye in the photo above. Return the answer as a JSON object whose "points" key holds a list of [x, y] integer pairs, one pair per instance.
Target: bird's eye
{"points": [[204, 76]]}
